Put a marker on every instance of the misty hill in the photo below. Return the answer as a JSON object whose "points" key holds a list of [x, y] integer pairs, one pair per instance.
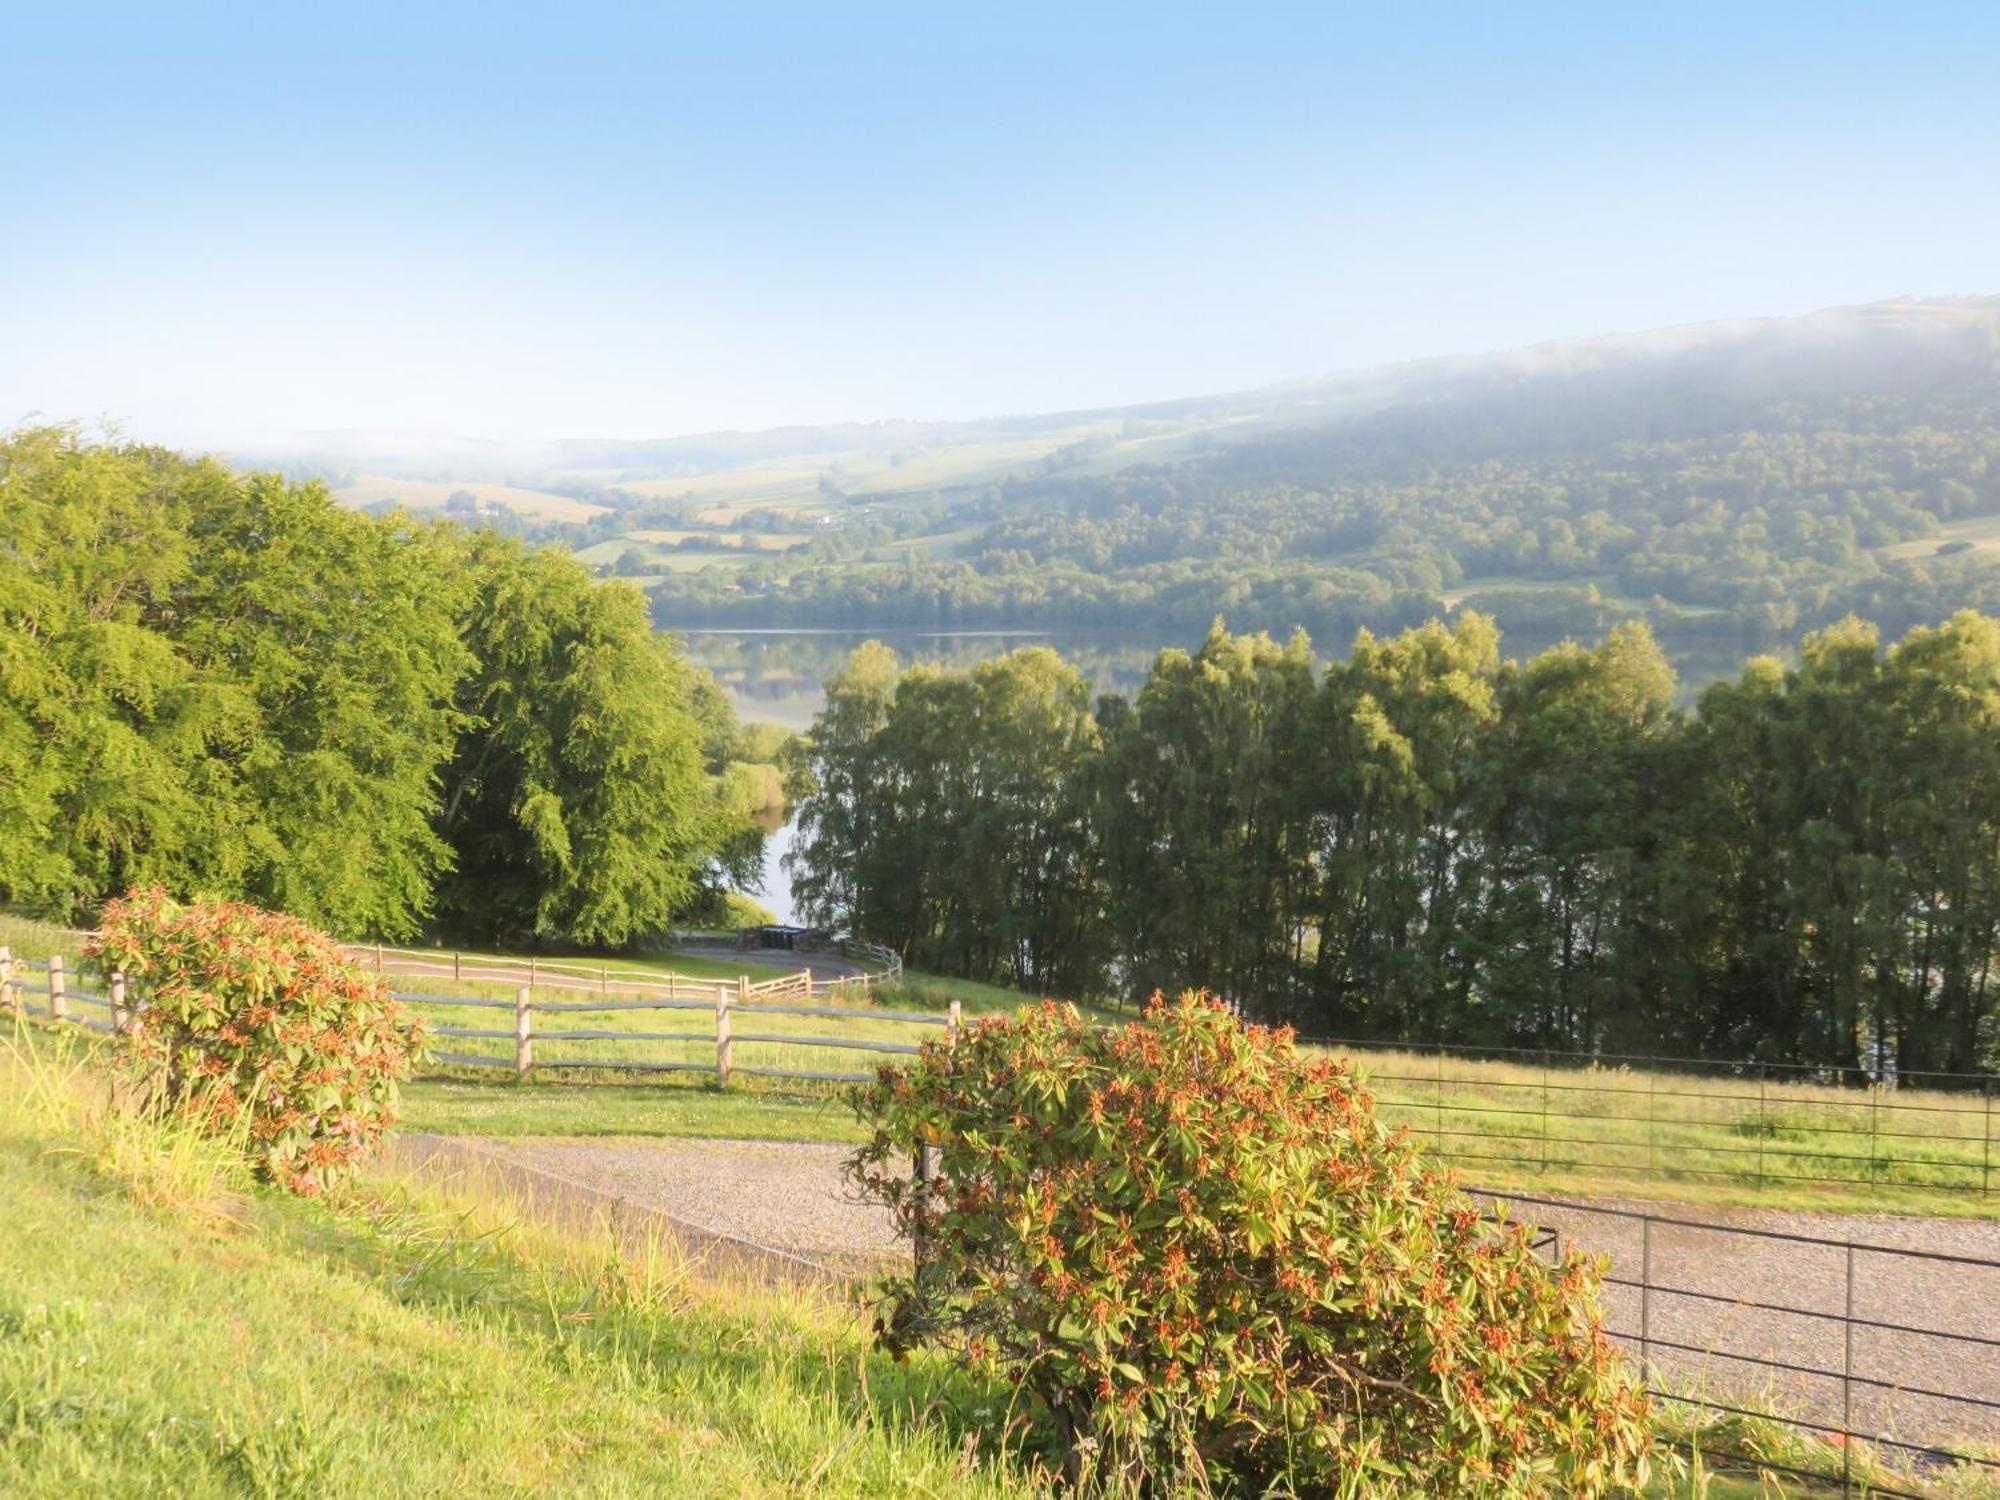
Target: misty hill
{"points": [[1743, 478]]}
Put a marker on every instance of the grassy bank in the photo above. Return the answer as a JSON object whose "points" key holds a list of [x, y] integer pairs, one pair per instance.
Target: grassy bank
{"points": [[184, 1332], [201, 1338]]}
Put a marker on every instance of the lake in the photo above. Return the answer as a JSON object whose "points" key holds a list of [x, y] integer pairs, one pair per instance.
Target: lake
{"points": [[776, 675]]}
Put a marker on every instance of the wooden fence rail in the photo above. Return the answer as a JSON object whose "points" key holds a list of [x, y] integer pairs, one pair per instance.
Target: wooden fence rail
{"points": [[725, 1001], [44, 989], [562, 974]]}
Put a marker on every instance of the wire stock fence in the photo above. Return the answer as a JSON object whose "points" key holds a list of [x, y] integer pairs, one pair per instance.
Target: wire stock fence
{"points": [[1883, 1359], [1766, 1125]]}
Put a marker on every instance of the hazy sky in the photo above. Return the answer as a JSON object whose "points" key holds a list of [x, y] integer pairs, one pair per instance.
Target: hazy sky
{"points": [[576, 219]]}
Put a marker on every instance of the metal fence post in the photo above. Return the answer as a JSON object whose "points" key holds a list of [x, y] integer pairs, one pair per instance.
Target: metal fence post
{"points": [[524, 1031], [1439, 1054], [1652, 1120], [58, 1001], [1986, 1144], [1763, 1116], [1875, 1131], [1545, 1109], [723, 1045], [1847, 1382], [1646, 1302]]}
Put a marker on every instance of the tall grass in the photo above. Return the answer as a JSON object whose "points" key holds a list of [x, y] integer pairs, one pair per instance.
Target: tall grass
{"points": [[414, 1338], [1618, 1129]]}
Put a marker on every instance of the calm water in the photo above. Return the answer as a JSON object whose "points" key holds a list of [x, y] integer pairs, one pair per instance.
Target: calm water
{"points": [[776, 675]]}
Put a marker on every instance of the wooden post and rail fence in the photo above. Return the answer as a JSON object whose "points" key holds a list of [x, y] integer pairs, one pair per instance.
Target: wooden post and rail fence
{"points": [[538, 1009]]}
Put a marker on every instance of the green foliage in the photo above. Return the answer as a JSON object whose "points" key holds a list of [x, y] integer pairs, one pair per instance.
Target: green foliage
{"points": [[228, 684], [261, 1029], [1202, 1261], [1428, 842], [577, 800], [984, 765]]}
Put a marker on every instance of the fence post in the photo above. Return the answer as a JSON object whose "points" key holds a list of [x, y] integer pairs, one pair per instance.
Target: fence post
{"points": [[58, 1003], [1438, 1055], [9, 997], [1545, 1109], [1847, 1382], [1987, 1141], [1763, 1116], [806, 985], [1652, 1120], [524, 1031], [118, 1016], [1646, 1303], [953, 1017], [603, 979], [1875, 1131], [724, 1047], [454, 965]]}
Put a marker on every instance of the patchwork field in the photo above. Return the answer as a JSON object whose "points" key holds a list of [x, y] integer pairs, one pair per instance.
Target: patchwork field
{"points": [[423, 494], [1980, 534]]}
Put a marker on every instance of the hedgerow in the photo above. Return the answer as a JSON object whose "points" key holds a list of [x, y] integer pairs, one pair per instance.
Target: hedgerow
{"points": [[1205, 1265], [257, 1024]]}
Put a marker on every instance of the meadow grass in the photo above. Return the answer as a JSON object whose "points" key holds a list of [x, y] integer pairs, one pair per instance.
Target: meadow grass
{"points": [[420, 1339], [1618, 1130]]}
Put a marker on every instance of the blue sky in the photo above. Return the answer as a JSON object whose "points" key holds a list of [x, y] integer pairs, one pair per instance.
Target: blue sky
{"points": [[593, 220]]}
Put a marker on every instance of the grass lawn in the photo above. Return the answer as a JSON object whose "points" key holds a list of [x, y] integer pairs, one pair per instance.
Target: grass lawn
{"points": [[189, 1336], [1613, 1131]]}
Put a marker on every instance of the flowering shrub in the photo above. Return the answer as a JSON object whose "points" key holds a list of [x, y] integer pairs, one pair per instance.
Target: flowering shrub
{"points": [[1204, 1265], [255, 1022]]}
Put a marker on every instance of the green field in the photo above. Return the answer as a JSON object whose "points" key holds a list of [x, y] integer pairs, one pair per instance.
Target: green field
{"points": [[1982, 532], [1613, 1131], [425, 494]]}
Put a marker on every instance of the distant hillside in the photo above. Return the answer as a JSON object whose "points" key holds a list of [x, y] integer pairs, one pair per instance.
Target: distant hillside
{"points": [[1742, 478]]}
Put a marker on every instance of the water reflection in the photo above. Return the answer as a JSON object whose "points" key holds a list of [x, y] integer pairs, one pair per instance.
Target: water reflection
{"points": [[776, 676]]}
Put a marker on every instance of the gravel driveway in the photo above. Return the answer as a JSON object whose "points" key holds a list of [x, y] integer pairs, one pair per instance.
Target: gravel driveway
{"points": [[1695, 1323]]}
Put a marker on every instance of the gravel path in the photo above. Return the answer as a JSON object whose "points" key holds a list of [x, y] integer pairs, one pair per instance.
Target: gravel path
{"points": [[1695, 1322], [786, 1195], [779, 960]]}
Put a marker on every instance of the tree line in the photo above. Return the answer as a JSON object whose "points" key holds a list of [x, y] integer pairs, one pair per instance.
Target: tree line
{"points": [[228, 685], [1426, 841]]}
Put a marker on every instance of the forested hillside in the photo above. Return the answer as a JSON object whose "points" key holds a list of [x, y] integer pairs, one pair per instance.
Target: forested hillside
{"points": [[1745, 481], [1426, 841], [228, 684]]}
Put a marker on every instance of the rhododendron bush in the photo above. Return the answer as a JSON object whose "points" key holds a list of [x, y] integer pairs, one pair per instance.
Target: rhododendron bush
{"points": [[1205, 1265], [260, 1025]]}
